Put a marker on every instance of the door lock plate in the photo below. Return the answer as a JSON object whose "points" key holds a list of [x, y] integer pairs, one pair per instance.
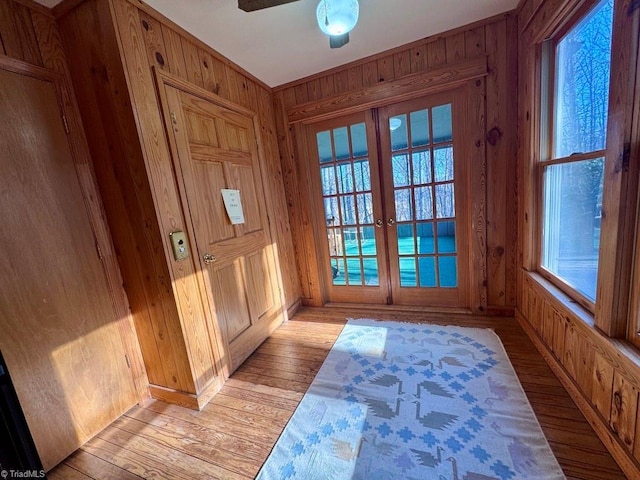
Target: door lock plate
{"points": [[179, 245]]}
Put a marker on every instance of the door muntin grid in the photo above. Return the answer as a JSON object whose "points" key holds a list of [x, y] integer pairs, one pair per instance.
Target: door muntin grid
{"points": [[422, 157], [345, 177]]}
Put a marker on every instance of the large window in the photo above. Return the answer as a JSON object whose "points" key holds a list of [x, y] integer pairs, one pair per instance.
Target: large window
{"points": [[575, 103]]}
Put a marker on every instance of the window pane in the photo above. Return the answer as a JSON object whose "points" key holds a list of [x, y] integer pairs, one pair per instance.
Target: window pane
{"points": [[407, 272], [351, 243], [328, 178], [341, 141], [363, 175], [419, 128], [359, 140], [370, 266], [365, 208], [424, 203], [421, 167], [448, 272], [337, 267], [425, 239], [443, 164], [571, 222], [401, 170], [398, 129], [427, 271], [446, 237], [325, 151], [442, 127], [348, 210], [406, 244], [332, 215], [403, 205], [335, 242], [345, 178], [368, 240], [445, 201], [583, 59], [354, 273]]}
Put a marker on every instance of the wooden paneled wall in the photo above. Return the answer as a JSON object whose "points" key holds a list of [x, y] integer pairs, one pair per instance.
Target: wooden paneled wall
{"points": [[117, 44], [29, 34], [30, 37], [602, 373], [494, 39], [171, 48]]}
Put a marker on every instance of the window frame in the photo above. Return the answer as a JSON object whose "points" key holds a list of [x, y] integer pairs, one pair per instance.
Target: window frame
{"points": [[547, 76]]}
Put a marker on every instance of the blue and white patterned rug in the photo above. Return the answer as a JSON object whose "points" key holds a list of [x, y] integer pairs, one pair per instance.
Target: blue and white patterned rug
{"points": [[413, 401]]}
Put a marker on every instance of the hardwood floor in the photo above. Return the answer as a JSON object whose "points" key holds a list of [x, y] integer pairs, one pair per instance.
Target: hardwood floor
{"points": [[233, 435]]}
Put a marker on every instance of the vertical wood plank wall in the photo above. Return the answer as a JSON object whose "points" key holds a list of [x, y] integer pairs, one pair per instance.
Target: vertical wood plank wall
{"points": [[117, 44], [493, 38], [28, 33], [170, 48], [602, 374]]}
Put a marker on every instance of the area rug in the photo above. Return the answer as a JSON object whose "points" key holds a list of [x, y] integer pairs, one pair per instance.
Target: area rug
{"points": [[413, 401]]}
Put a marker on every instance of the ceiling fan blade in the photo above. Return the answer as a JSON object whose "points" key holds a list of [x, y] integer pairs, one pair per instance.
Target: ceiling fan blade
{"points": [[337, 41], [253, 5]]}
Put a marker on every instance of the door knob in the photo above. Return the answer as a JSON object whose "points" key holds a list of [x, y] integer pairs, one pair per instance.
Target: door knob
{"points": [[391, 221], [379, 223], [208, 258]]}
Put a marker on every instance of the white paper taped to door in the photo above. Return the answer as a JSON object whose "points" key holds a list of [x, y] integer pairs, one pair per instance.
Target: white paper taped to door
{"points": [[233, 205]]}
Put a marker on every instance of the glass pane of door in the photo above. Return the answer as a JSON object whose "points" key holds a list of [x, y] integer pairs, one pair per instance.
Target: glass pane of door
{"points": [[348, 199]]}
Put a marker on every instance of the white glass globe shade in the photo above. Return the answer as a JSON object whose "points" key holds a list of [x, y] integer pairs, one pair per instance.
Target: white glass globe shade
{"points": [[337, 17]]}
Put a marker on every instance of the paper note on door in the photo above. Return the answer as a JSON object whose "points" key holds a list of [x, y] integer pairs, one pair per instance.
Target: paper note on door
{"points": [[233, 205]]}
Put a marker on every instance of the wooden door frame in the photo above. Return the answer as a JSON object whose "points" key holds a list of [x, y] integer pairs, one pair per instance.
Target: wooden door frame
{"points": [[317, 214], [474, 131], [470, 74], [222, 365], [81, 158]]}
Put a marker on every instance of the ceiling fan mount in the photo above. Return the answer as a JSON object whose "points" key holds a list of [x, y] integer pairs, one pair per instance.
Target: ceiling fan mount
{"points": [[253, 5], [336, 40]]}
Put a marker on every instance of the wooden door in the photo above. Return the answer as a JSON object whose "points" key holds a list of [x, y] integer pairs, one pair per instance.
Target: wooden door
{"points": [[59, 327], [344, 168], [215, 148], [426, 191]]}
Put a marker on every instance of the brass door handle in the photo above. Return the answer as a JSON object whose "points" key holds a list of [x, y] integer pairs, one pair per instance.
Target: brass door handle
{"points": [[208, 258], [391, 221], [379, 223]]}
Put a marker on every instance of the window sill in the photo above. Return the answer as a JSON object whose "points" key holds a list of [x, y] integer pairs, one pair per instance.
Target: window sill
{"points": [[561, 300]]}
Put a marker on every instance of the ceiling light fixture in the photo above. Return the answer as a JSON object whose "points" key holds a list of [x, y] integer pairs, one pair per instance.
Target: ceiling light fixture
{"points": [[336, 18]]}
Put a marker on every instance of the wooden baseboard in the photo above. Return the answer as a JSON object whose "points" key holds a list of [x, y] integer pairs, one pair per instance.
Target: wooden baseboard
{"points": [[493, 311], [186, 399], [615, 447], [291, 311]]}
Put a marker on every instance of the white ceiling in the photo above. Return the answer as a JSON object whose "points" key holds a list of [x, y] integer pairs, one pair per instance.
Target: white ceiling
{"points": [[283, 43]]}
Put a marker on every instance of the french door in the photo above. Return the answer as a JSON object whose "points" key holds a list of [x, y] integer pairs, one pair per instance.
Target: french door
{"points": [[394, 224]]}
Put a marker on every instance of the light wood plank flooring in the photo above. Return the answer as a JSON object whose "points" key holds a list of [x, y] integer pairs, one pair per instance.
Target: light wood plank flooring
{"points": [[233, 435]]}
